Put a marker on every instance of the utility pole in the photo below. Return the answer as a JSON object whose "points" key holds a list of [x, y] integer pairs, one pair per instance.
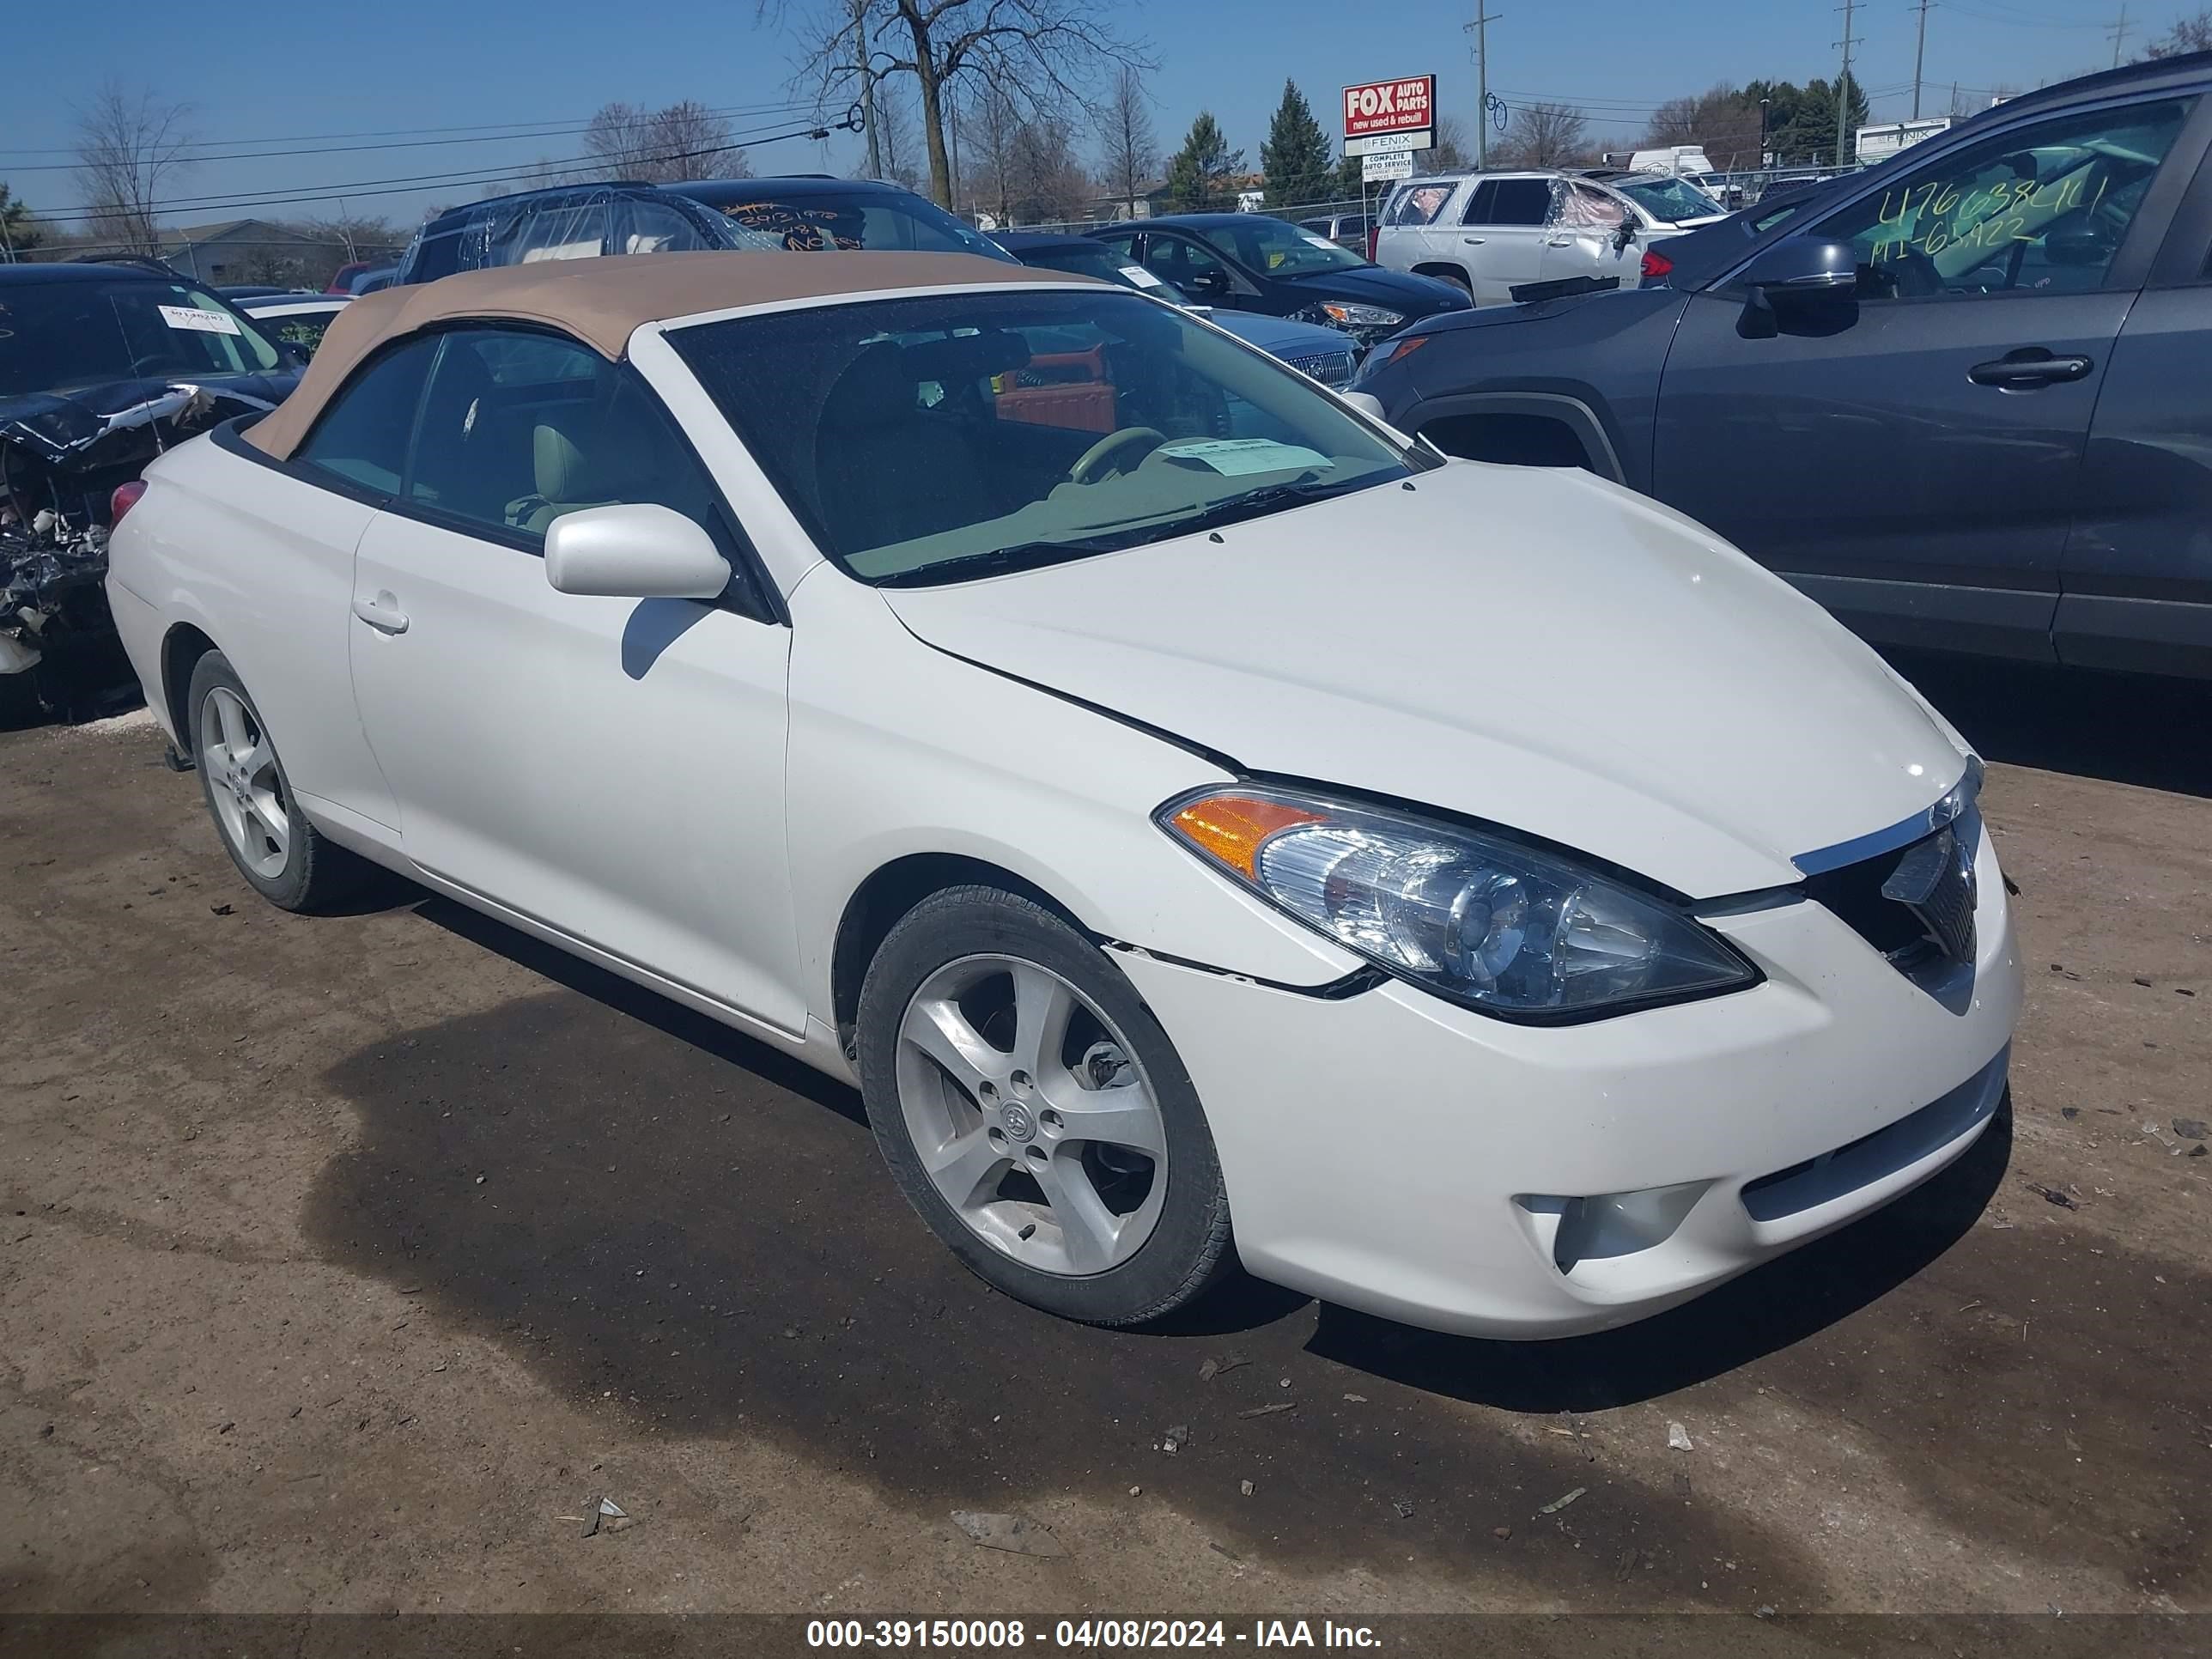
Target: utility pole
{"points": [[1483, 16], [2119, 33], [952, 120], [1844, 83], [1919, 53], [867, 87]]}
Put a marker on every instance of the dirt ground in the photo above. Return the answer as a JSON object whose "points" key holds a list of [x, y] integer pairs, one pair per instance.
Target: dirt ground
{"points": [[344, 1259]]}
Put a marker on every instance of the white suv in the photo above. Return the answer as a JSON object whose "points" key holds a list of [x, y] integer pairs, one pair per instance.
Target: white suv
{"points": [[1501, 234]]}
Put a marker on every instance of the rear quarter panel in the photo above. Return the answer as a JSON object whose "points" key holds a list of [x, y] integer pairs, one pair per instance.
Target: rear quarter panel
{"points": [[261, 562]]}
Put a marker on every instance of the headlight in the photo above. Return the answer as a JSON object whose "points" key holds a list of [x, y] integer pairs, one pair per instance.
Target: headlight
{"points": [[1511, 930], [1337, 313]]}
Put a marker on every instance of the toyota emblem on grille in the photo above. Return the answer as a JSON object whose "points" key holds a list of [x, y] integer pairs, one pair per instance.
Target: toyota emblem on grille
{"points": [[1934, 880]]}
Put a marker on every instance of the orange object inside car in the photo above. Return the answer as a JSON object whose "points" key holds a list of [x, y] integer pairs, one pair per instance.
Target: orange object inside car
{"points": [[1067, 389]]}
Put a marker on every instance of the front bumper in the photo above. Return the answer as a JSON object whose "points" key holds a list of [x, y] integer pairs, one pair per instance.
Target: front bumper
{"points": [[1397, 1154]]}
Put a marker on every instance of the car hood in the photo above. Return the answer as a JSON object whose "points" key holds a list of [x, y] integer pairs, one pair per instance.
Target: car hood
{"points": [[1373, 285], [1281, 338], [85, 423], [1618, 301], [1534, 647]]}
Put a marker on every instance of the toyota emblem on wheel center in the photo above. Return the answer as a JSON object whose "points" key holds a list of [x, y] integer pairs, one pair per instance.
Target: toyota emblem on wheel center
{"points": [[1019, 1124]]}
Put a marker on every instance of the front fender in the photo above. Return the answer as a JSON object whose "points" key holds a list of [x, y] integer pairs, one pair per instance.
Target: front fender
{"points": [[898, 749]]}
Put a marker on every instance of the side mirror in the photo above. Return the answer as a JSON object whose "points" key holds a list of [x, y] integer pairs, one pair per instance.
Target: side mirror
{"points": [[637, 552], [1214, 284], [1803, 265], [2076, 247], [1367, 404]]}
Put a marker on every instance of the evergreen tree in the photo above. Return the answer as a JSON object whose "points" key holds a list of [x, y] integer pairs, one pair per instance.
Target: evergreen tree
{"points": [[1295, 162], [15, 219], [1199, 174]]}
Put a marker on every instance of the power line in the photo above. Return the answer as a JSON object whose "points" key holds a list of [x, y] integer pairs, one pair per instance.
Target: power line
{"points": [[2016, 20], [403, 186], [567, 123]]}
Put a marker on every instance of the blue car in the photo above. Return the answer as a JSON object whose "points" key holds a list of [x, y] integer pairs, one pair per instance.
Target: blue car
{"points": [[1250, 262], [1329, 355]]}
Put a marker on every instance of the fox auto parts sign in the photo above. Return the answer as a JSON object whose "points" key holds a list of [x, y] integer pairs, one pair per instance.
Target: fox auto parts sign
{"points": [[1391, 115]]}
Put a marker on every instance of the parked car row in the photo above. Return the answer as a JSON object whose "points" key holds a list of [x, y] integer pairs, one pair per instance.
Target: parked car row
{"points": [[1959, 399], [944, 669], [817, 215]]}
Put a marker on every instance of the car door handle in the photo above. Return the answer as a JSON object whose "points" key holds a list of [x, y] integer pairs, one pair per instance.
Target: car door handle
{"points": [[382, 613], [1474, 242], [1558, 242], [2025, 370]]}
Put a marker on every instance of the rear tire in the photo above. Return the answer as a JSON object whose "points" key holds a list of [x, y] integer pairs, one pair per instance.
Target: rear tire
{"points": [[284, 857], [1035, 1114]]}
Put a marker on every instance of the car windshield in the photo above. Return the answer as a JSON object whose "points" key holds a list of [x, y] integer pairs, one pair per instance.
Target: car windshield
{"points": [[1279, 249], [302, 330], [1670, 201], [821, 220], [59, 335], [1097, 259], [943, 437]]}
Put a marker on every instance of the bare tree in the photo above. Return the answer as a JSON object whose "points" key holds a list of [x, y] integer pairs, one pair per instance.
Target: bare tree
{"points": [[1724, 120], [2188, 35], [897, 145], [1129, 153], [1542, 136], [1450, 153], [1032, 52], [130, 146], [682, 142], [345, 238], [1021, 169]]}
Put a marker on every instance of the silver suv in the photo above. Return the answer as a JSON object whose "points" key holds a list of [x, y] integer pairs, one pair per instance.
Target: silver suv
{"points": [[1508, 236]]}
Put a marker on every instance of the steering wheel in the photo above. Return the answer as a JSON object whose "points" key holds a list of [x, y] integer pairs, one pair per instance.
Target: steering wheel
{"points": [[1092, 465]]}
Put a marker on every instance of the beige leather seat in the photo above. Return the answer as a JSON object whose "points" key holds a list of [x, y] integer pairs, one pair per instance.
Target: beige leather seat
{"points": [[589, 457]]}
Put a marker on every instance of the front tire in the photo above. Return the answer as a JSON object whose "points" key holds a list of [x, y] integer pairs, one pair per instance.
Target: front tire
{"points": [[1035, 1114], [286, 858]]}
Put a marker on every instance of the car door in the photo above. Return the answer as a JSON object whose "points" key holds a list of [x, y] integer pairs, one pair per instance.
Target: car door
{"points": [[611, 769], [1502, 235], [1911, 456], [1585, 238], [1420, 227], [1200, 271], [299, 539], [2136, 577]]}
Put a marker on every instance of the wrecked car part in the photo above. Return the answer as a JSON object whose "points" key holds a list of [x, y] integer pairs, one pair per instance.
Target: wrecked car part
{"points": [[62, 457]]}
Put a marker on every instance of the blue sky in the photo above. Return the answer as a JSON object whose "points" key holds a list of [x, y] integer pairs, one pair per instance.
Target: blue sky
{"points": [[255, 73]]}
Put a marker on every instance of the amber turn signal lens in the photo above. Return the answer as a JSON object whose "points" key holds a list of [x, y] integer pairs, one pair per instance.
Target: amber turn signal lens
{"points": [[1230, 828], [1400, 348]]}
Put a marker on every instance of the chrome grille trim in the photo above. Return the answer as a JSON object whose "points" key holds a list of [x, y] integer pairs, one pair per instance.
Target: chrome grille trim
{"points": [[1903, 833]]}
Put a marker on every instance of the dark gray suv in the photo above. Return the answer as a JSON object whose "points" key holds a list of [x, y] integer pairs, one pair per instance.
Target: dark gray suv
{"points": [[1964, 399]]}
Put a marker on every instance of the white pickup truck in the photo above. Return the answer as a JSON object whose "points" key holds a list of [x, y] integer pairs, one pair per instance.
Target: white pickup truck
{"points": [[1497, 232]]}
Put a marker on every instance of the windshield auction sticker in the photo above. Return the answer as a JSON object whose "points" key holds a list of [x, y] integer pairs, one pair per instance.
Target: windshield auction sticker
{"points": [[1233, 457], [205, 322]]}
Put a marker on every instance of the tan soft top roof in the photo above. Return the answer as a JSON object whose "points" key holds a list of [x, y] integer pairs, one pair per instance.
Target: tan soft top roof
{"points": [[602, 301]]}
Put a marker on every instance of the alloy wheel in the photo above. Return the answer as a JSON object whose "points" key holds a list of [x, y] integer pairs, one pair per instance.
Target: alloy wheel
{"points": [[1030, 1116], [244, 783]]}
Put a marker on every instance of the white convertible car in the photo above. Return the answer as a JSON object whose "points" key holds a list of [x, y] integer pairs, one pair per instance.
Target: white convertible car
{"points": [[1207, 826]]}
